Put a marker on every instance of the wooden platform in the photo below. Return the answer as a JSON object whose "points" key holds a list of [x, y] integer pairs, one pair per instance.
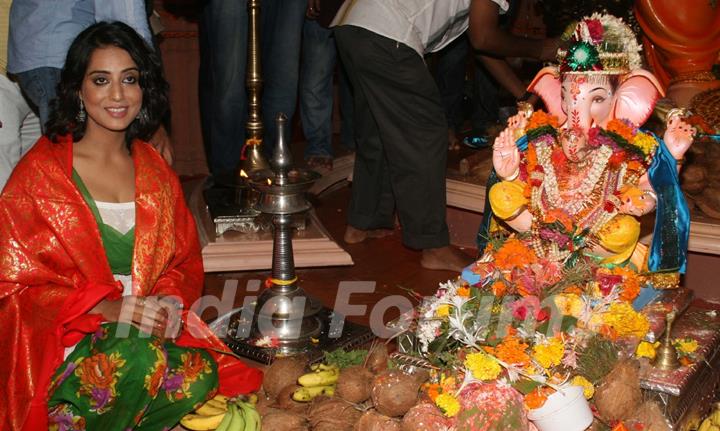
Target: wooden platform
{"points": [[236, 251]]}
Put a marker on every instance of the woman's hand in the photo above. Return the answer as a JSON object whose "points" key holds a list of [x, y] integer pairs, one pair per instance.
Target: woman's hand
{"points": [[678, 136], [313, 9], [159, 316]]}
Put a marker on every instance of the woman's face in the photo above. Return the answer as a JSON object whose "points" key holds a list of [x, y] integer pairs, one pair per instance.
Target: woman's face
{"points": [[111, 90]]}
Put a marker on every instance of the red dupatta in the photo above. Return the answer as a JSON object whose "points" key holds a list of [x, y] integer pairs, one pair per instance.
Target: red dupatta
{"points": [[53, 270]]}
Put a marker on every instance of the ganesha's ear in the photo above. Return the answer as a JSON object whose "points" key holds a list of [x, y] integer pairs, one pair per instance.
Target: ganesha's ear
{"points": [[636, 97], [547, 85]]}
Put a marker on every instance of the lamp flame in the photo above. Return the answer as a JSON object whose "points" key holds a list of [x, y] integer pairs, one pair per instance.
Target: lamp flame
{"points": [[269, 181], [243, 173]]}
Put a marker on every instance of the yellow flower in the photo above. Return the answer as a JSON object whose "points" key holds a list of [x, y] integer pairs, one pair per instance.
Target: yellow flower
{"points": [[645, 142], [645, 350], [549, 353], [588, 388], [622, 318], [482, 366], [448, 404], [686, 346], [569, 304], [443, 310]]}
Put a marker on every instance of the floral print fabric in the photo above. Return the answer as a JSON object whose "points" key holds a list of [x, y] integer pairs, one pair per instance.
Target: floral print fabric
{"points": [[134, 382]]}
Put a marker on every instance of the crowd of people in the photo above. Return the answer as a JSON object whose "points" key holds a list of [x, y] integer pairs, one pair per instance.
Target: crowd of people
{"points": [[95, 235]]}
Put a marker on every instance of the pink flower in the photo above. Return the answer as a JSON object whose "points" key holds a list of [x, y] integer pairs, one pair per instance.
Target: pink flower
{"points": [[528, 305]]}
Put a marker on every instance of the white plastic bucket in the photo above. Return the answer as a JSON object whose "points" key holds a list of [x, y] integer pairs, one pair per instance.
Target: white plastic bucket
{"points": [[565, 410]]}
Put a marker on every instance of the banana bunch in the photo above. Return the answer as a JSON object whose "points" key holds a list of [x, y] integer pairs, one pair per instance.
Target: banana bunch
{"points": [[712, 422], [321, 381], [223, 414]]}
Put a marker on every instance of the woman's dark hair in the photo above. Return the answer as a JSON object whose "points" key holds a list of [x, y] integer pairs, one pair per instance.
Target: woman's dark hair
{"points": [[65, 108]]}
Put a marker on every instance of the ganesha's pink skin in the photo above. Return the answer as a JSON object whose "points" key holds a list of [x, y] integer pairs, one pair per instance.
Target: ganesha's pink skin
{"points": [[585, 100]]}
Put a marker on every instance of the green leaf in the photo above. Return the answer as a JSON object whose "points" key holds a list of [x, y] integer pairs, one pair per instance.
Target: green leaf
{"points": [[525, 386]]}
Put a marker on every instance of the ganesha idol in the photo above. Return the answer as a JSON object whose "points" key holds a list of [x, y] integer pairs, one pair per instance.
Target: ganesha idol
{"points": [[570, 185]]}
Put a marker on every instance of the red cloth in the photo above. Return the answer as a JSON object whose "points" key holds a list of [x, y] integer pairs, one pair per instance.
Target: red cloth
{"points": [[53, 270]]}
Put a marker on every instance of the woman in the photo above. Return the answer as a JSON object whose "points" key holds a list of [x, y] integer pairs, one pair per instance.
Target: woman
{"points": [[98, 251]]}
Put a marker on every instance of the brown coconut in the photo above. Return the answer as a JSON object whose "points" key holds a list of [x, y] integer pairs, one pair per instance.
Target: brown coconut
{"points": [[650, 417], [282, 373], [374, 421], [354, 384], [284, 421], [285, 401], [377, 359], [425, 416], [395, 392], [618, 396], [332, 414]]}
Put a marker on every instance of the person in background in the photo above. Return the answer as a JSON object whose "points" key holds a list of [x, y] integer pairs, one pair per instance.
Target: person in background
{"points": [[318, 66], [100, 260], [19, 126], [400, 123]]}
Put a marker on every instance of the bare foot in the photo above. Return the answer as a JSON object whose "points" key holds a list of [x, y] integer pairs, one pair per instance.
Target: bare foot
{"points": [[453, 141], [446, 258], [354, 235]]}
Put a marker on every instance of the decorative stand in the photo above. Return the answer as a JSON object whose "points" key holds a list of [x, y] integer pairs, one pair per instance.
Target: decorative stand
{"points": [[284, 320]]}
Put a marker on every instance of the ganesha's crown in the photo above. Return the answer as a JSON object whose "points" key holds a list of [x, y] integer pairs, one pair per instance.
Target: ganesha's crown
{"points": [[601, 44]]}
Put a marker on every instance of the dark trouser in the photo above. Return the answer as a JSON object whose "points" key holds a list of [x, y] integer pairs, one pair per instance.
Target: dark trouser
{"points": [[401, 136]]}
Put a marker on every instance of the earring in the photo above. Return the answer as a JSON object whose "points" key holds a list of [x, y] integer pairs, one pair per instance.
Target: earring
{"points": [[81, 115]]}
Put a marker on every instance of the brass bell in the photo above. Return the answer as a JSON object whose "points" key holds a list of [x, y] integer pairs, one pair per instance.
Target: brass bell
{"points": [[666, 357]]}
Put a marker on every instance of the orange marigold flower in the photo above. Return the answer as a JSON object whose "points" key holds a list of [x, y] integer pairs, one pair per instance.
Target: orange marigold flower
{"points": [[531, 160], [537, 397], [514, 253], [463, 292], [574, 289], [432, 389], [621, 129], [541, 118], [498, 288], [631, 283], [512, 351], [558, 215], [620, 427]]}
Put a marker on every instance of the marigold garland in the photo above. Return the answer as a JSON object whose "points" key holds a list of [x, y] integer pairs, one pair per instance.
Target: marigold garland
{"points": [[514, 253], [541, 118]]}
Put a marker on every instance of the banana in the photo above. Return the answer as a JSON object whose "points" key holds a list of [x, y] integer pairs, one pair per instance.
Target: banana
{"points": [[705, 425], [211, 408], [319, 378], [221, 398], [225, 423], [238, 419], [253, 399], [201, 423], [306, 394], [252, 417], [223, 405]]}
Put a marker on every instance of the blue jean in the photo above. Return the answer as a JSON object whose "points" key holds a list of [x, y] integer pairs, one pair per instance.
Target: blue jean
{"points": [[39, 86], [223, 96], [319, 57]]}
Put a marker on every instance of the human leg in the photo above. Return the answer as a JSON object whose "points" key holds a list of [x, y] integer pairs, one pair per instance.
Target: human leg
{"points": [[450, 79], [372, 204], [14, 111], [347, 111], [223, 93], [282, 25], [39, 85], [316, 89]]}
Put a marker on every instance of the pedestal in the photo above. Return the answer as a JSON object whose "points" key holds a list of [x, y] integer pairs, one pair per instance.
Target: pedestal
{"points": [[236, 251]]}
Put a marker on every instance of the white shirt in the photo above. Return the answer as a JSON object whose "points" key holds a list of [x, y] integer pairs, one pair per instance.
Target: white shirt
{"points": [[121, 216], [423, 25]]}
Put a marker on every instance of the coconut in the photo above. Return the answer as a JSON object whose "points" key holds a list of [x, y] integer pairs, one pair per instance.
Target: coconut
{"points": [[284, 421], [618, 396], [374, 421], [649, 417], [425, 416], [354, 384], [377, 359], [394, 392], [332, 414], [282, 373], [284, 400]]}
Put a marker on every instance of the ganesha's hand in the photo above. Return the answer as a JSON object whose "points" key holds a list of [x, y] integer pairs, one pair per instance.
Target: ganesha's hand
{"points": [[678, 136], [506, 157], [638, 202]]}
